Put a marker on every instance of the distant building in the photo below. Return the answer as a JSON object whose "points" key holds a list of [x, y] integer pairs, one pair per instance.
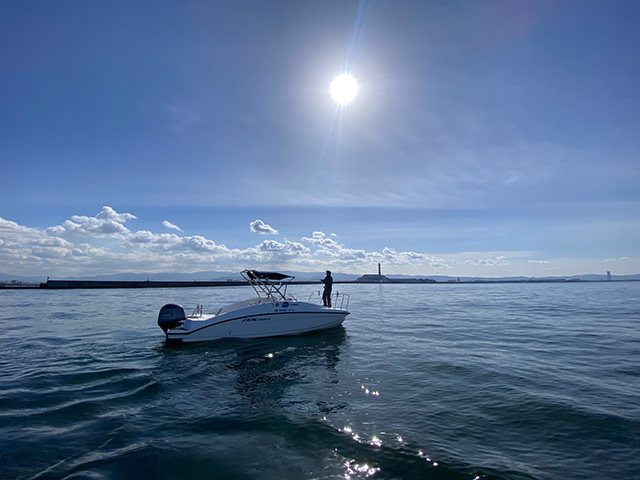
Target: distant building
{"points": [[608, 275], [370, 277], [379, 278]]}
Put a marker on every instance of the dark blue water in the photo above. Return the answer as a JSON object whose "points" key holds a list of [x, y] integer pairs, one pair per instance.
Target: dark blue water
{"points": [[504, 381]]}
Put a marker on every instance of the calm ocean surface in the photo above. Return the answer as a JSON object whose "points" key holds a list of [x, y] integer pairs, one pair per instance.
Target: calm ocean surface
{"points": [[496, 381]]}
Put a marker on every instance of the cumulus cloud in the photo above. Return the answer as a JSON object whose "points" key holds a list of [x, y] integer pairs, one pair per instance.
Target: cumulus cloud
{"points": [[286, 247], [145, 237], [171, 226], [111, 247], [108, 213], [57, 230], [50, 252], [107, 222], [320, 240], [412, 258], [258, 226], [171, 242], [108, 246], [336, 252], [32, 251], [198, 243], [86, 250], [488, 262], [327, 247]]}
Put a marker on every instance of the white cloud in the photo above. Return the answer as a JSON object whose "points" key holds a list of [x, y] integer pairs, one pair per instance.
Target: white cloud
{"points": [[57, 230], [349, 258], [32, 251], [170, 242], [108, 213], [145, 237], [198, 243], [488, 262], [258, 226], [86, 250], [171, 226], [109, 247], [281, 248], [412, 258], [331, 248], [107, 222], [50, 252]]}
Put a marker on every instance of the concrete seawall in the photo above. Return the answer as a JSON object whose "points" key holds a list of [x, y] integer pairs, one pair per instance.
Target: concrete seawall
{"points": [[66, 284], [69, 284]]}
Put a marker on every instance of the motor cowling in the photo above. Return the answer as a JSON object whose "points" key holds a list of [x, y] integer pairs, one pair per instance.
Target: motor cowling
{"points": [[171, 316]]}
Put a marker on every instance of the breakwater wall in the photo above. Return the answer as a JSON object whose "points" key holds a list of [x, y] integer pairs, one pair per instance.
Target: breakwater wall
{"points": [[69, 284], [66, 284]]}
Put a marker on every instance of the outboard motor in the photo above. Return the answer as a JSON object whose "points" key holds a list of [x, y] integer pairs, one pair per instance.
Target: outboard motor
{"points": [[171, 316]]}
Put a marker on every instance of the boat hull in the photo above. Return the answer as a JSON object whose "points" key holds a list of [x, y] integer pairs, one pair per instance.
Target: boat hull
{"points": [[258, 321]]}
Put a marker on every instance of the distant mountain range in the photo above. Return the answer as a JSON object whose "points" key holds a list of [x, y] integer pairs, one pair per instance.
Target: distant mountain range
{"points": [[304, 276]]}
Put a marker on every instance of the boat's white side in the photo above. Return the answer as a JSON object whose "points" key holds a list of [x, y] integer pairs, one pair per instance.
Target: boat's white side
{"points": [[258, 318]]}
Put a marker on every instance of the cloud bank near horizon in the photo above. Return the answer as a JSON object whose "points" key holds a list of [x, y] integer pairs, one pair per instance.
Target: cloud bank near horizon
{"points": [[105, 244]]}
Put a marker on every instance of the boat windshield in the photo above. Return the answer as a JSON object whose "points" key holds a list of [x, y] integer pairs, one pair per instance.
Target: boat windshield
{"points": [[270, 285]]}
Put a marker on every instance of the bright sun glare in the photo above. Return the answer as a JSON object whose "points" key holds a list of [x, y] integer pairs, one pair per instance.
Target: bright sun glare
{"points": [[344, 88]]}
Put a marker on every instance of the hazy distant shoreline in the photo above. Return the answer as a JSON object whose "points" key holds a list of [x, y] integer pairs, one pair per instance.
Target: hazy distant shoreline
{"points": [[106, 284]]}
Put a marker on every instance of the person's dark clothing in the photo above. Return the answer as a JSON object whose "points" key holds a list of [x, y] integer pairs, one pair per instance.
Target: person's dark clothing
{"points": [[326, 295]]}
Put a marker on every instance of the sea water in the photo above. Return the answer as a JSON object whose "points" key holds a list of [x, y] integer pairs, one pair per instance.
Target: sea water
{"points": [[433, 381]]}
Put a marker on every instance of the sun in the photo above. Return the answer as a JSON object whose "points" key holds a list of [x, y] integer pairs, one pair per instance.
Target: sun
{"points": [[343, 89]]}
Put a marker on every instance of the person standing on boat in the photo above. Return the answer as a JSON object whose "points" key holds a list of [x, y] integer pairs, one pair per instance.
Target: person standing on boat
{"points": [[328, 284]]}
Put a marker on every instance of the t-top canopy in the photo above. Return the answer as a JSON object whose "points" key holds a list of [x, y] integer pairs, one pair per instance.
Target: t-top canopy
{"points": [[256, 275]]}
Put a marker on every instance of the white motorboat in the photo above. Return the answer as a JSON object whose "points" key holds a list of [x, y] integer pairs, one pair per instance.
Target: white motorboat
{"points": [[272, 313]]}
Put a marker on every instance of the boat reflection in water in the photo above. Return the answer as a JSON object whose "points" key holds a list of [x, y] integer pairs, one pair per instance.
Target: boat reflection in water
{"points": [[268, 374]]}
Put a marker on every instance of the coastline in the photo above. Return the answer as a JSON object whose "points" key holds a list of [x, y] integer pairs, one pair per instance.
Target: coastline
{"points": [[104, 284]]}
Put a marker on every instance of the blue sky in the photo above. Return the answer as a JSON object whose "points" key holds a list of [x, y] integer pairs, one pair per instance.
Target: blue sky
{"points": [[488, 138]]}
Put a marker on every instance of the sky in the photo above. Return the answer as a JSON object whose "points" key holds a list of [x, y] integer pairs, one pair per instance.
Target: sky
{"points": [[494, 138]]}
